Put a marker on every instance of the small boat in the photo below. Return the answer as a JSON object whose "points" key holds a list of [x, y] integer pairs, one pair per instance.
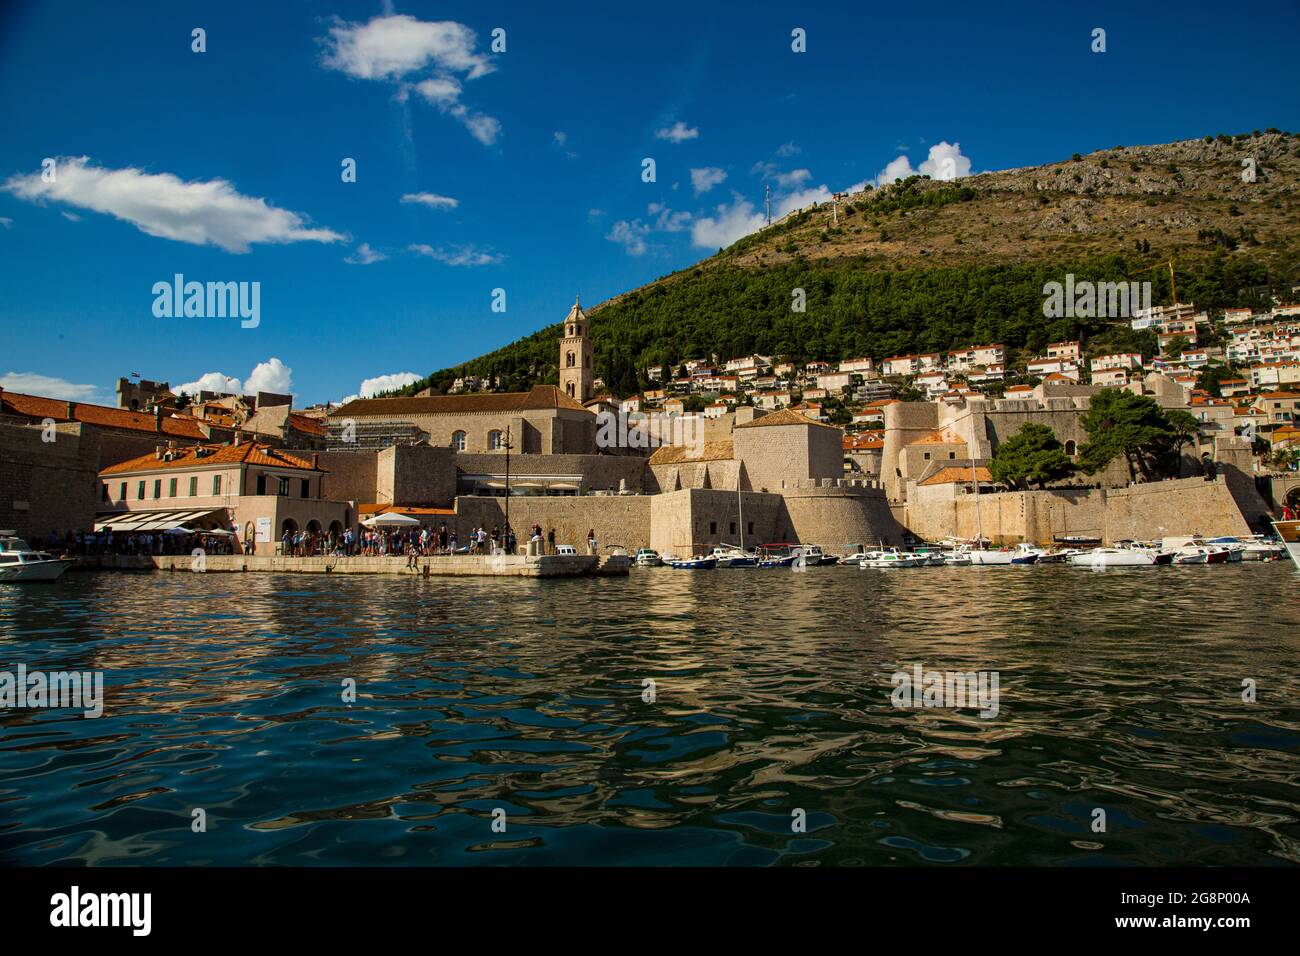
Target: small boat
{"points": [[814, 556], [18, 562], [730, 556], [777, 555], [891, 558], [1019, 555], [932, 554], [1200, 554], [648, 558], [1289, 532], [697, 563], [1113, 558], [854, 559], [958, 559]]}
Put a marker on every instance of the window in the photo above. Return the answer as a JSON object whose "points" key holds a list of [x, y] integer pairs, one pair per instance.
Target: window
{"points": [[952, 454], [216, 484], [713, 527], [261, 484], [139, 491], [494, 440], [194, 485], [733, 527], [306, 488], [751, 527], [1069, 447], [283, 489], [103, 491], [171, 488], [458, 441], [121, 492], [157, 488], [927, 456]]}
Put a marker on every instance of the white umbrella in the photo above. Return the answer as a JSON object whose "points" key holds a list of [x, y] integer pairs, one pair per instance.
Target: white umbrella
{"points": [[391, 520]]}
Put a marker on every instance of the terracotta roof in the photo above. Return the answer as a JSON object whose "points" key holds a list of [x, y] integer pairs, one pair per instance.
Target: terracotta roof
{"points": [[34, 406], [953, 475], [940, 436], [248, 453], [678, 454], [867, 441], [785, 416], [308, 424], [412, 510], [541, 397]]}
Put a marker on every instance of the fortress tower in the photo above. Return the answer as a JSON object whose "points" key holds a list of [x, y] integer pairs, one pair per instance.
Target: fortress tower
{"points": [[576, 358]]}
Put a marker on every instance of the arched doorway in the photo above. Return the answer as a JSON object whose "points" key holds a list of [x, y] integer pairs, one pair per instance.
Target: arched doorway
{"points": [[289, 525], [313, 526], [336, 528]]}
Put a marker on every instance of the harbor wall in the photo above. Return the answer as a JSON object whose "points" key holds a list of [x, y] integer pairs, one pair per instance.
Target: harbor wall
{"points": [[461, 565], [48, 485], [1142, 511], [616, 519]]}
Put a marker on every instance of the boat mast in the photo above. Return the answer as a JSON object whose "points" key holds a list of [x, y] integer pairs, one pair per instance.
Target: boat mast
{"points": [[975, 481], [740, 500]]}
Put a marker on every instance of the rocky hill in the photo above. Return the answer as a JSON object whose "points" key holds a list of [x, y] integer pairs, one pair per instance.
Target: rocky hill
{"points": [[923, 265]]}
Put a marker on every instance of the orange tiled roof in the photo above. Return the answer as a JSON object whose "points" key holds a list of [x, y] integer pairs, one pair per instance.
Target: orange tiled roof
{"points": [[36, 407], [248, 453], [952, 475], [867, 441], [677, 454], [940, 436], [305, 423], [412, 510]]}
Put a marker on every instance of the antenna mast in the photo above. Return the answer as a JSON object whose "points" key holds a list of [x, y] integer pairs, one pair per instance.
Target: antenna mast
{"points": [[767, 201]]}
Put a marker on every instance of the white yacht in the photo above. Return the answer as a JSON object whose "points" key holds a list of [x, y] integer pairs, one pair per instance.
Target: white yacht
{"points": [[1289, 532], [1114, 558], [18, 562], [890, 558]]}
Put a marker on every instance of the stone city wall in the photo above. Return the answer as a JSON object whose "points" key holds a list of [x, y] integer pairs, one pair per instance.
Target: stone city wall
{"points": [[48, 486]]}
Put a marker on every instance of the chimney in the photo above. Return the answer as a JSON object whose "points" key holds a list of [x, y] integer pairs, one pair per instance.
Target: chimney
{"points": [[315, 461], [239, 437], [157, 418], [158, 452]]}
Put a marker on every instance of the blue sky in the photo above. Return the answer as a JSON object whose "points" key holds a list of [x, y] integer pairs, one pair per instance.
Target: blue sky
{"points": [[226, 165]]}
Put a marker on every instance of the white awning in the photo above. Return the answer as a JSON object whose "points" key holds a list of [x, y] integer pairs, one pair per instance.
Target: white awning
{"points": [[153, 520]]}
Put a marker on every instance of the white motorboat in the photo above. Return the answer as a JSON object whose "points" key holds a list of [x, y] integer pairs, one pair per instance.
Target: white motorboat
{"points": [[1022, 554], [1200, 554], [1113, 558], [730, 556], [18, 562], [1254, 548], [890, 558], [853, 559], [958, 559], [648, 558]]}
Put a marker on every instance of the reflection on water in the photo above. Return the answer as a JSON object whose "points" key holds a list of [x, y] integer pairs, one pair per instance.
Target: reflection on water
{"points": [[1120, 690]]}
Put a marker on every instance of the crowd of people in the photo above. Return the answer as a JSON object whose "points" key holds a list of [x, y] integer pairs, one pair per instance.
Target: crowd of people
{"points": [[108, 541]]}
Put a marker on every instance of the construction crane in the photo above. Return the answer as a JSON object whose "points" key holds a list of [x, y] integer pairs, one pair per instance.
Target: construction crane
{"points": [[1173, 291]]}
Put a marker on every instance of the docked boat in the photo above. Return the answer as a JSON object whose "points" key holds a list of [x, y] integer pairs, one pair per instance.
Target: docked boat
{"points": [[854, 559], [18, 562], [957, 559], [891, 558], [699, 562], [777, 555], [1114, 558], [932, 554], [648, 558], [1200, 554], [1254, 548], [730, 556], [814, 556], [1289, 532], [1020, 555]]}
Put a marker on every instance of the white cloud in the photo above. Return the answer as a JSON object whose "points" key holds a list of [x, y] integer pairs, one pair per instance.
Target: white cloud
{"points": [[459, 255], [702, 180], [386, 383], [269, 376], [432, 200], [793, 179], [786, 150], [806, 197], [47, 386], [731, 222], [945, 162], [212, 382], [631, 235], [389, 48], [560, 140], [364, 256], [208, 213], [6, 222], [395, 48], [679, 132]]}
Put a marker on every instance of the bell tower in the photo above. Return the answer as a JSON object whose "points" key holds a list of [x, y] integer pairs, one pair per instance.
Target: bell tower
{"points": [[576, 357]]}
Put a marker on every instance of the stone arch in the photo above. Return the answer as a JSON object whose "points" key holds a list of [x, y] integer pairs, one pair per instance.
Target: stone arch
{"points": [[313, 526], [570, 360], [336, 527], [288, 525], [1070, 448]]}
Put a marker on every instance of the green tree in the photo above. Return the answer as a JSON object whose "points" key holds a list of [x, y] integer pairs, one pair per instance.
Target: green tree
{"points": [[1031, 455], [1135, 427]]}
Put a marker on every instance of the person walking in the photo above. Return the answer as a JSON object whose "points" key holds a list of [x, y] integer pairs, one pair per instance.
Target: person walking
{"points": [[550, 541], [591, 540]]}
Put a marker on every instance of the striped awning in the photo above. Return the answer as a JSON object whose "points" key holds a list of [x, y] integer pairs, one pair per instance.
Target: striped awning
{"points": [[153, 520]]}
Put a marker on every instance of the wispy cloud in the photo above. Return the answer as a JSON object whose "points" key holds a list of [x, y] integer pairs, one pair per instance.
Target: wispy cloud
{"points": [[364, 256], [207, 213], [786, 150], [560, 140], [679, 132], [432, 200], [702, 180], [458, 255], [49, 386], [632, 234], [398, 48]]}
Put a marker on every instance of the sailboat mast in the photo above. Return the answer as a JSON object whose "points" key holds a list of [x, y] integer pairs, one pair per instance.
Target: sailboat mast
{"points": [[975, 481], [740, 500]]}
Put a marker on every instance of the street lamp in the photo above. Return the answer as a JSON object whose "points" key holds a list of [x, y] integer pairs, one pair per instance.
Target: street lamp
{"points": [[507, 445]]}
